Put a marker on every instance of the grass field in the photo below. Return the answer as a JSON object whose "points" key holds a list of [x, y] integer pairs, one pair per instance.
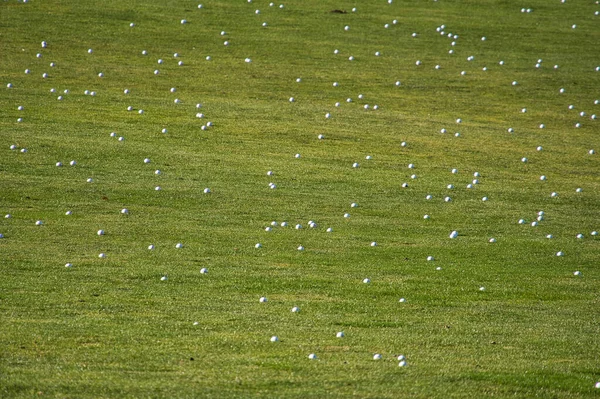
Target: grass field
{"points": [[508, 318]]}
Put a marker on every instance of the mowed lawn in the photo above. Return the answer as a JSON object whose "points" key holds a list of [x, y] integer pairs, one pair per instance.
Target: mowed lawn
{"points": [[373, 133]]}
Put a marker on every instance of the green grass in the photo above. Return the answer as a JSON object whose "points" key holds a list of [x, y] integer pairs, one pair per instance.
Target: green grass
{"points": [[111, 328]]}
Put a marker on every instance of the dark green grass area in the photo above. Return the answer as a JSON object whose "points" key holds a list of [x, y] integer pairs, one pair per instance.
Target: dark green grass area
{"points": [[502, 319]]}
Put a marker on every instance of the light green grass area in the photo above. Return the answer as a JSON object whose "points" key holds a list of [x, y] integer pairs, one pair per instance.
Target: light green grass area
{"points": [[503, 319]]}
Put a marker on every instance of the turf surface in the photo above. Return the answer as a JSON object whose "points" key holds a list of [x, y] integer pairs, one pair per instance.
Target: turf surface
{"points": [[482, 319]]}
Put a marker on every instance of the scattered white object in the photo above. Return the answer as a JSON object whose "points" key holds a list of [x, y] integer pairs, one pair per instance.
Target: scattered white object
{"points": [[179, 245], [164, 278], [312, 356], [100, 232], [366, 280], [560, 253], [376, 356], [274, 338], [102, 255], [258, 245], [454, 234], [263, 299], [295, 309]]}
